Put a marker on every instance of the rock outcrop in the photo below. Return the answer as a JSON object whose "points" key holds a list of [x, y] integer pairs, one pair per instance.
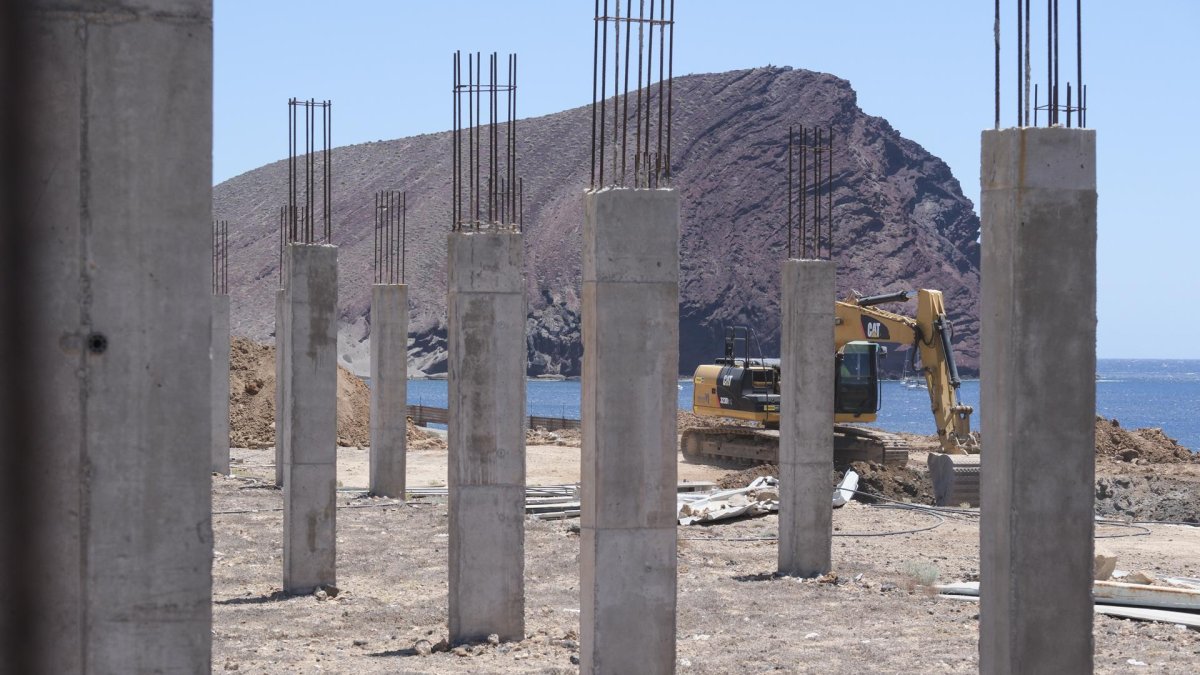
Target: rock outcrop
{"points": [[900, 220]]}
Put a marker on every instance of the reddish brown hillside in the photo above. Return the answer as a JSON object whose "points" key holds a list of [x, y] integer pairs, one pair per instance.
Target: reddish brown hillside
{"points": [[900, 217]]}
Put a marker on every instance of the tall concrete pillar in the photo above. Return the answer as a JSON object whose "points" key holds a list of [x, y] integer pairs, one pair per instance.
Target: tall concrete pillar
{"points": [[281, 386], [219, 352], [310, 414], [806, 418], [119, 122], [487, 364], [630, 369], [1038, 400], [389, 388]]}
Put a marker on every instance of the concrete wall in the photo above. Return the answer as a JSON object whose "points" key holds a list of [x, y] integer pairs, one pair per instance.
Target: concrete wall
{"points": [[281, 378], [630, 368], [806, 418], [120, 132], [389, 389], [219, 353], [1037, 398], [487, 357], [310, 410]]}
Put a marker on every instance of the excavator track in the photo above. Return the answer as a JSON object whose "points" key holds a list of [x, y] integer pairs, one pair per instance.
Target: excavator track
{"points": [[761, 446]]}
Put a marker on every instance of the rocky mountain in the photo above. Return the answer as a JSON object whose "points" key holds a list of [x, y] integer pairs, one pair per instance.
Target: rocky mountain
{"points": [[900, 220]]}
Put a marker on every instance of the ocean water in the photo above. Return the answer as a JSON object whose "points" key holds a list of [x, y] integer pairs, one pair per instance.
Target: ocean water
{"points": [[1137, 392]]}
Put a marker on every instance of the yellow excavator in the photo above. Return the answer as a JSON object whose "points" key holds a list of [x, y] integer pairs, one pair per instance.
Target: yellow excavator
{"points": [[746, 388]]}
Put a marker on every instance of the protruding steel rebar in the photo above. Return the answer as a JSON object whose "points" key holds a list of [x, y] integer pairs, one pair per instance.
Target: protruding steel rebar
{"points": [[1052, 103], [299, 226], [220, 257], [391, 207], [996, 32], [488, 197], [293, 222], [791, 197], [815, 236], [644, 166]]}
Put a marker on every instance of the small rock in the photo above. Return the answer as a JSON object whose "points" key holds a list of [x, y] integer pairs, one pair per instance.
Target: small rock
{"points": [[360, 643], [684, 663], [809, 636], [887, 586], [460, 651], [442, 645], [493, 639], [575, 659], [423, 648], [1139, 578], [230, 665]]}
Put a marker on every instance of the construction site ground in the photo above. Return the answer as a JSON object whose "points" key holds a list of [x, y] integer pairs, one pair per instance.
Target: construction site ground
{"points": [[388, 614]]}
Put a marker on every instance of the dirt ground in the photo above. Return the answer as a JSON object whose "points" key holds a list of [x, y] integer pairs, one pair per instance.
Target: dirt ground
{"points": [[388, 614], [734, 615]]}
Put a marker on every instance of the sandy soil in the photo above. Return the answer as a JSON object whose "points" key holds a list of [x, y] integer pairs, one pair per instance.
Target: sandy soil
{"points": [[734, 615]]}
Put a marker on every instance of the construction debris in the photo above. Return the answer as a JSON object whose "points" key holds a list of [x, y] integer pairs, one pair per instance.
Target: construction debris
{"points": [[761, 496], [1132, 601]]}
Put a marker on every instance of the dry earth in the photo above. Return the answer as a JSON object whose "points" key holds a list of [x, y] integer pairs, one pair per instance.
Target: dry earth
{"points": [[734, 616]]}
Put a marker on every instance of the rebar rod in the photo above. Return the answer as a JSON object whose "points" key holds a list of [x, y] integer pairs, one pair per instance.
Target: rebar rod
{"points": [[790, 196]]}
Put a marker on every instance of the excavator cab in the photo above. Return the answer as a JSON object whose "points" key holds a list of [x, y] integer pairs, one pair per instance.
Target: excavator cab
{"points": [[857, 390]]}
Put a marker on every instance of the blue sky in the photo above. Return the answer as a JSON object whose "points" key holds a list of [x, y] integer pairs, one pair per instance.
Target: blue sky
{"points": [[925, 65]]}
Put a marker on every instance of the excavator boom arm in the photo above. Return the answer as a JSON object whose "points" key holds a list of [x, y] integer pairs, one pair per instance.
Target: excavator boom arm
{"points": [[929, 333]]}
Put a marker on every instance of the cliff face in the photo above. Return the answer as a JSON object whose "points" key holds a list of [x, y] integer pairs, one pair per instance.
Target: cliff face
{"points": [[900, 220]]}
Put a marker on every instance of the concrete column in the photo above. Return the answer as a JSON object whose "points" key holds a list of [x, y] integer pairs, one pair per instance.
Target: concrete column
{"points": [[219, 352], [487, 363], [389, 388], [119, 124], [1038, 400], [310, 414], [281, 386], [630, 369], [806, 418]]}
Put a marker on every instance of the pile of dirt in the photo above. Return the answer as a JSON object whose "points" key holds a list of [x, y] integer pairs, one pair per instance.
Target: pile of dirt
{"points": [[252, 399], [1148, 497], [1140, 446], [420, 438], [900, 484], [740, 479]]}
